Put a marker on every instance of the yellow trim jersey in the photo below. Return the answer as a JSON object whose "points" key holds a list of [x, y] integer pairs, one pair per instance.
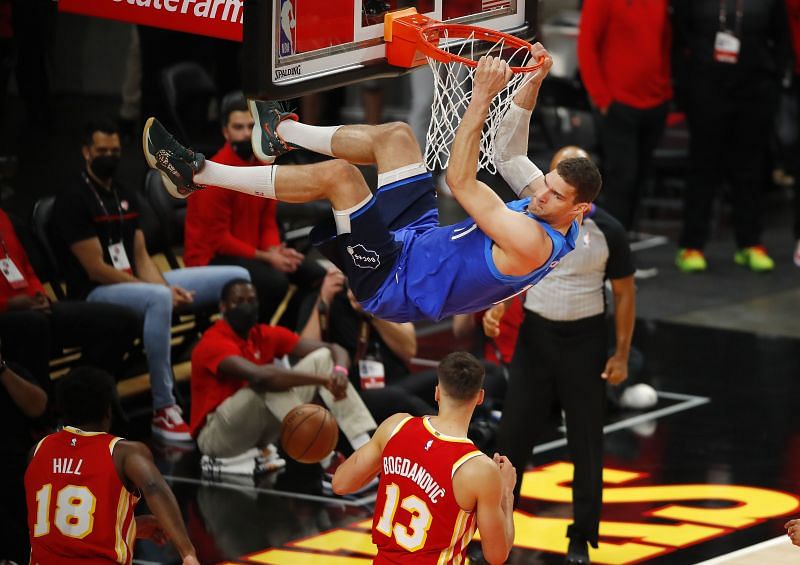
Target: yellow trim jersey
{"points": [[417, 519]]}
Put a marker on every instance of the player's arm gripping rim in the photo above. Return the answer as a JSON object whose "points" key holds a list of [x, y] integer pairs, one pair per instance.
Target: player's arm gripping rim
{"points": [[135, 466], [521, 245], [511, 143], [487, 486], [365, 464]]}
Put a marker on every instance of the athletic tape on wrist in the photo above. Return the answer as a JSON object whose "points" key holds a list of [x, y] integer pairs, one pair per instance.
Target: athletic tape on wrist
{"points": [[511, 148]]}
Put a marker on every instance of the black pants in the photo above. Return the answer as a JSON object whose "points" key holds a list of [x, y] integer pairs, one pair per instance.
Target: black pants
{"points": [[628, 136], [730, 125], [563, 361], [105, 332], [271, 285]]}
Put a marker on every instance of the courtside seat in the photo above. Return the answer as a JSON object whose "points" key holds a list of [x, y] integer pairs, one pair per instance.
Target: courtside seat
{"points": [[191, 98]]}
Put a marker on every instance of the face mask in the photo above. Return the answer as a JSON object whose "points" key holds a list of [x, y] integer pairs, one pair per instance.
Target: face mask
{"points": [[104, 166], [244, 149], [243, 317]]}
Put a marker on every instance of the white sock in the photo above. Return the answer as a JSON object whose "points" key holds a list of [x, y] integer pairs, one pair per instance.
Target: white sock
{"points": [[315, 138], [359, 440], [258, 181], [342, 217]]}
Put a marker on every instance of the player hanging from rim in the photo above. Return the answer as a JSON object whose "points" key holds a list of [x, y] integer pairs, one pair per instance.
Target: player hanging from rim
{"points": [[83, 484], [436, 487], [400, 263]]}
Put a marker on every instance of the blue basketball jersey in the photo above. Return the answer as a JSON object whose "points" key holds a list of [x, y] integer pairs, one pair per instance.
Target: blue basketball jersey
{"points": [[447, 270]]}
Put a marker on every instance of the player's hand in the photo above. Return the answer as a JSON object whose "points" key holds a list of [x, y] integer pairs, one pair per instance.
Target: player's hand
{"points": [[491, 320], [190, 560], [793, 531], [337, 384], [147, 527], [508, 474], [181, 296], [616, 370], [491, 77], [332, 284], [540, 54]]}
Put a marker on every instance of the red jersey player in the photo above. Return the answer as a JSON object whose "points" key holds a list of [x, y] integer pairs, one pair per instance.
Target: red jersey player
{"points": [[82, 485], [435, 486]]}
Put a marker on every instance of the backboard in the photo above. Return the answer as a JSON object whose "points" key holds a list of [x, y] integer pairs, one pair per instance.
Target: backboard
{"points": [[295, 47]]}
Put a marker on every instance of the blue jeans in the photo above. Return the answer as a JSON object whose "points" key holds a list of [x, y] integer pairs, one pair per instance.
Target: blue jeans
{"points": [[154, 303]]}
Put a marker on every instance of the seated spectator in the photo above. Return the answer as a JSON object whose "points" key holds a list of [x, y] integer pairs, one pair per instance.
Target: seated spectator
{"points": [[22, 401], [379, 350], [34, 329], [231, 228], [240, 395], [105, 260]]}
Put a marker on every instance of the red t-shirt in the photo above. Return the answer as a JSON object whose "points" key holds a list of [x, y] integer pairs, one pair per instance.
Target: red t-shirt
{"points": [[417, 518], [624, 52], [78, 509], [11, 247], [209, 387], [226, 222]]}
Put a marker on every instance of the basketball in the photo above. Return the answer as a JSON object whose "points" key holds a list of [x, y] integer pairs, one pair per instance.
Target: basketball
{"points": [[309, 433]]}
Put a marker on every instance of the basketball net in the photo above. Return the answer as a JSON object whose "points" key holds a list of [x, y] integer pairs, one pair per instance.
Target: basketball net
{"points": [[453, 91]]}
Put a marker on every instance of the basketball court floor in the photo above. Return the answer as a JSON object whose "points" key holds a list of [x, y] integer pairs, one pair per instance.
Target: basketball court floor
{"points": [[709, 475]]}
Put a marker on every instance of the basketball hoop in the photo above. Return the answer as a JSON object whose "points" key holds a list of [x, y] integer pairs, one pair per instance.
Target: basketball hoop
{"points": [[452, 51]]}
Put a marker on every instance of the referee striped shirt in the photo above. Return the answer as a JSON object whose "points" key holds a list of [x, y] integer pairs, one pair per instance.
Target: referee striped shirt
{"points": [[575, 288]]}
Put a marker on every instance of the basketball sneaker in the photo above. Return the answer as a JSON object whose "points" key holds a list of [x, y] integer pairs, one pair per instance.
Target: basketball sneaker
{"points": [[691, 261], [754, 258], [168, 424], [176, 163], [267, 144]]}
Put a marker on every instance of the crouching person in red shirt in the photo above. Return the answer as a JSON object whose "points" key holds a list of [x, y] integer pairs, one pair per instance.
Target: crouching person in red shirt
{"points": [[240, 396]]}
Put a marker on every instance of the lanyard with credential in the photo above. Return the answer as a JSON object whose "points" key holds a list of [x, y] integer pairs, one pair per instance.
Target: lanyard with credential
{"points": [[105, 210], [723, 16]]}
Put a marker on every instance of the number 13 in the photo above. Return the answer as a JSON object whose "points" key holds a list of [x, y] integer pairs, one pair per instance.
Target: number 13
{"points": [[411, 538]]}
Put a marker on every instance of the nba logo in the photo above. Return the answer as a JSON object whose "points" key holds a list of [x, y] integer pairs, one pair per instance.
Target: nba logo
{"points": [[428, 445], [288, 28]]}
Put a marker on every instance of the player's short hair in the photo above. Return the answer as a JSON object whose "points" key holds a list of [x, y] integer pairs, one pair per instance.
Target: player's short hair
{"points": [[104, 125], [225, 293], [581, 174], [460, 375], [232, 102], [84, 396]]}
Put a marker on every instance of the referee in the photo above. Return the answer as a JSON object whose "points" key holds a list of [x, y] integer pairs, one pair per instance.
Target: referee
{"points": [[562, 353]]}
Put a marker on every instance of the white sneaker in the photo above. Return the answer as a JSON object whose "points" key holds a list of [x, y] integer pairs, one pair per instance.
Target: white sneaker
{"points": [[168, 424], [639, 397]]}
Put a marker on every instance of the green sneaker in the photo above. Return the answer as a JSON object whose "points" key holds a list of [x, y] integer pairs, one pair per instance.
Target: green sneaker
{"points": [[267, 144], [691, 260], [755, 258], [176, 163]]}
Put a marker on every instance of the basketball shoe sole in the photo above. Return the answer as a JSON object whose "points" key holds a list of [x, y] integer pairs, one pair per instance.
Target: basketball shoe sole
{"points": [[267, 144], [176, 163]]}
